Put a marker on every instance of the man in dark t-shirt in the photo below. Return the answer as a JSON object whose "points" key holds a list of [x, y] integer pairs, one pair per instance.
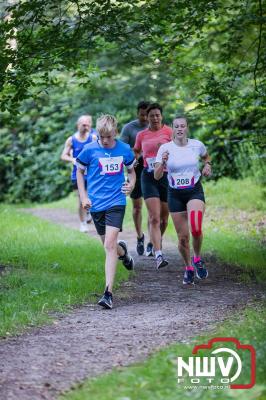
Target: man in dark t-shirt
{"points": [[128, 135]]}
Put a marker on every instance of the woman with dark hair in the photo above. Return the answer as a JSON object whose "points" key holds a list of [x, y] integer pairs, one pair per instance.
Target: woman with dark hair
{"points": [[186, 200], [154, 191]]}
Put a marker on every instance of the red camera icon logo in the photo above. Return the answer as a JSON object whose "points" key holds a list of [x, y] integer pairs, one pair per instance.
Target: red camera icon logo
{"points": [[225, 368]]}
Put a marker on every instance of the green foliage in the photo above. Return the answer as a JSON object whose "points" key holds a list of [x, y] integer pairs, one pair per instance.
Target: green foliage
{"points": [[251, 162], [202, 57], [234, 136], [32, 141], [30, 149], [211, 43]]}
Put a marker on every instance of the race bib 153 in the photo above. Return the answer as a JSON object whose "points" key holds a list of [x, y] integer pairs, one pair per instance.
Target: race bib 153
{"points": [[111, 165]]}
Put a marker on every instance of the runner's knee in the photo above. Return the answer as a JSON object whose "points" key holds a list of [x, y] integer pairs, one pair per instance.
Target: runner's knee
{"points": [[154, 220], [110, 246], [196, 223], [137, 209], [164, 222], [183, 241]]}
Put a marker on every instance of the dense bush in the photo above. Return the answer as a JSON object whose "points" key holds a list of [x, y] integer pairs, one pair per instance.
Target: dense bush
{"points": [[235, 136], [30, 147]]}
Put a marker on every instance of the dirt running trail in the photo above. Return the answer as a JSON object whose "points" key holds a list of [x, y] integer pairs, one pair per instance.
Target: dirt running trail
{"points": [[150, 311]]}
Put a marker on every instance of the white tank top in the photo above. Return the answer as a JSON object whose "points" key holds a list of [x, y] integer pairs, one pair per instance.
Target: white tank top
{"points": [[183, 163]]}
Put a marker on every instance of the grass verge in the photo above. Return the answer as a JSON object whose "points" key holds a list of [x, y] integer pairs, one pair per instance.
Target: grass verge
{"points": [[47, 268]]}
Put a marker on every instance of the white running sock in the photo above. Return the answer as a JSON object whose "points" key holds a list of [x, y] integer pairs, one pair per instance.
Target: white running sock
{"points": [[158, 253]]}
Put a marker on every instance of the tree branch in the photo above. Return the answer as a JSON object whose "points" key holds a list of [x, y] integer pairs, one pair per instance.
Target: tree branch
{"points": [[258, 49]]}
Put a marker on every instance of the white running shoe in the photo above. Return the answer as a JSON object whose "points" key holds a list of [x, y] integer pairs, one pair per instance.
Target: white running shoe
{"points": [[83, 227], [89, 217]]}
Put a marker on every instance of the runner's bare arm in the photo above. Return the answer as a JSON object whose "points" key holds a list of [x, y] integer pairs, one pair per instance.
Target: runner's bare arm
{"points": [[160, 166], [130, 184], [207, 169], [137, 153], [85, 201], [67, 151]]}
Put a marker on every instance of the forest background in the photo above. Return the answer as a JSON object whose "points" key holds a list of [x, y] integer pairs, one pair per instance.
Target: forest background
{"points": [[61, 59]]}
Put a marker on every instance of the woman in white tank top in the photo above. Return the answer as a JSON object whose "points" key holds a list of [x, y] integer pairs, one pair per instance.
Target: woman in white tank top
{"points": [[186, 200]]}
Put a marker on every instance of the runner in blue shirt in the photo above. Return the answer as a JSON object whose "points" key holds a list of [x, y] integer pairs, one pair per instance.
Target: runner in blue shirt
{"points": [[73, 146], [106, 194]]}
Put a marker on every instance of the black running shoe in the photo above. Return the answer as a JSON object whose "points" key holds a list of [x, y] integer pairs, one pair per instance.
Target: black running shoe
{"points": [[126, 259], [149, 250], [161, 262], [201, 270], [107, 300], [140, 245], [188, 277]]}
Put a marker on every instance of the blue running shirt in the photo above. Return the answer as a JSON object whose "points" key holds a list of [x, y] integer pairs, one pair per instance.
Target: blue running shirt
{"points": [[105, 173], [78, 146]]}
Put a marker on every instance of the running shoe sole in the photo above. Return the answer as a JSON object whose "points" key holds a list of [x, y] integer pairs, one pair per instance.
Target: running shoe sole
{"points": [[197, 268], [131, 263], [140, 247], [105, 304], [199, 277], [149, 253], [189, 283], [163, 264]]}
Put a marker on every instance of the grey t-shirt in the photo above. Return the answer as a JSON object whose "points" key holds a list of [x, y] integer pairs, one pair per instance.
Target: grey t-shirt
{"points": [[130, 130]]}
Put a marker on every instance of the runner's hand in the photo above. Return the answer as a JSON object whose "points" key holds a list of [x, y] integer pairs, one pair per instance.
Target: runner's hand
{"points": [[126, 188], [86, 203], [165, 157], [207, 170]]}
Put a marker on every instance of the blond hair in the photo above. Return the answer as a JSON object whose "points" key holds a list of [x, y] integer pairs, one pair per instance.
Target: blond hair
{"points": [[82, 117], [106, 123]]}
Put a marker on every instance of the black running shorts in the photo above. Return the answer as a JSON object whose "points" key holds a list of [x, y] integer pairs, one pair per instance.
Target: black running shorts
{"points": [[178, 198], [153, 188], [137, 192], [112, 217]]}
